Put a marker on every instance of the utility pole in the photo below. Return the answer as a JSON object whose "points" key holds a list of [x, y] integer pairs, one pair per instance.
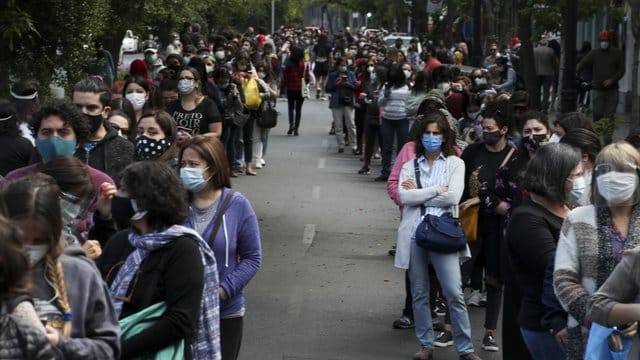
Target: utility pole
{"points": [[569, 33]]}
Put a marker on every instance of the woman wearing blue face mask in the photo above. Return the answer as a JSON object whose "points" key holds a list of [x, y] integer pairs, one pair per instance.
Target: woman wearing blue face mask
{"points": [[552, 179], [436, 192], [226, 220]]}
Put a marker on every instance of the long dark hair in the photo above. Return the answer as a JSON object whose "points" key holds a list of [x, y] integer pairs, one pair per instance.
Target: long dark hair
{"points": [[448, 137]]}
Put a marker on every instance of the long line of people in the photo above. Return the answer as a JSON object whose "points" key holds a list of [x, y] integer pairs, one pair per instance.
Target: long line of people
{"points": [[137, 176]]}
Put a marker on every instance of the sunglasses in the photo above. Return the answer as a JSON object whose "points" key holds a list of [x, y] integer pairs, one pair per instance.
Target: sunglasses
{"points": [[117, 127]]}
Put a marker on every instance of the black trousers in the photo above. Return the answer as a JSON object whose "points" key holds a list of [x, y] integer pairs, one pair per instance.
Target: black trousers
{"points": [[372, 132], [359, 120], [295, 100], [231, 337]]}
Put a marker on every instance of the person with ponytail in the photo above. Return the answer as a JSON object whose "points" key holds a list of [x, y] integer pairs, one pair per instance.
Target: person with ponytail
{"points": [[69, 295], [22, 336]]}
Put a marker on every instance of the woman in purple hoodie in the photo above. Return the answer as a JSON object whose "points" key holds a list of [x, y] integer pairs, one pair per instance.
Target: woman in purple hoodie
{"points": [[226, 220]]}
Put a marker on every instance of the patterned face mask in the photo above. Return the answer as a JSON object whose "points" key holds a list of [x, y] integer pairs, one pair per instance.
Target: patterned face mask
{"points": [[150, 149]]}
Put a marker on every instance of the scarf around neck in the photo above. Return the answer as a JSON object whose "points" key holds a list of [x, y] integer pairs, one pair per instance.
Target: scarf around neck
{"points": [[206, 343]]}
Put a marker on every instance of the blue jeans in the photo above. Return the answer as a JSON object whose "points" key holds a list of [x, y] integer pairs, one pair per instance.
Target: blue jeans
{"points": [[389, 129], [542, 345], [447, 267]]}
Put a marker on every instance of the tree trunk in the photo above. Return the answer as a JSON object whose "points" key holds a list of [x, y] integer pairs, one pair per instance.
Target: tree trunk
{"points": [[635, 28], [476, 47], [569, 94], [527, 65]]}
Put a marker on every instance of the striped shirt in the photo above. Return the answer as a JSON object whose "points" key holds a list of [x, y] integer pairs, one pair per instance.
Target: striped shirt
{"points": [[395, 106], [434, 176]]}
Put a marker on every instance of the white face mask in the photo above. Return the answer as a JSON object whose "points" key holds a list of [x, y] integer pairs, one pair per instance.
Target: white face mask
{"points": [[407, 74], [209, 68], [480, 81], [35, 253], [176, 42], [617, 187], [579, 187], [554, 138], [444, 87], [69, 210], [370, 69], [604, 44], [219, 55], [137, 100]]}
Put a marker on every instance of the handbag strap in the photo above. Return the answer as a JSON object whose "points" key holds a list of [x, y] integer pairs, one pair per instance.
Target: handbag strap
{"points": [[223, 208], [506, 158], [416, 168]]}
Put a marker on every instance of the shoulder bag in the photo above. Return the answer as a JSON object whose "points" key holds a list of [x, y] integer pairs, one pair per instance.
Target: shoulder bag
{"points": [[268, 117], [469, 217], [136, 323], [303, 83], [441, 234]]}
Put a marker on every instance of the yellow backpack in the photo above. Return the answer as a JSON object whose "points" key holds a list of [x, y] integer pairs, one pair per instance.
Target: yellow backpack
{"points": [[251, 90]]}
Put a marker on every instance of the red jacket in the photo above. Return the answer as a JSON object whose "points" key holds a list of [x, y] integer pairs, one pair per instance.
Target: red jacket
{"points": [[292, 77]]}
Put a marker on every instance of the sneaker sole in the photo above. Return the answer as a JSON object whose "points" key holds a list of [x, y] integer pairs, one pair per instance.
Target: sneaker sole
{"points": [[490, 348], [443, 344], [403, 327]]}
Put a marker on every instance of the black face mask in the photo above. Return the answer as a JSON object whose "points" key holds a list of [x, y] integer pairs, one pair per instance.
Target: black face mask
{"points": [[94, 122], [121, 211]]}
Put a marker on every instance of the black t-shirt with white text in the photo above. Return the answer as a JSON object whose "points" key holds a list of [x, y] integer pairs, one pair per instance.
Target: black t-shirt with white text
{"points": [[198, 119]]}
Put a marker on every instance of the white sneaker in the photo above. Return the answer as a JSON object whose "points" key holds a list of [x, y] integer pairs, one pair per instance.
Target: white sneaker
{"points": [[262, 162], [475, 298], [257, 165], [483, 299]]}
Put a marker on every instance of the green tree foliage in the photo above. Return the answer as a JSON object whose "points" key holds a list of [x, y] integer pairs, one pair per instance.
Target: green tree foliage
{"points": [[49, 40]]}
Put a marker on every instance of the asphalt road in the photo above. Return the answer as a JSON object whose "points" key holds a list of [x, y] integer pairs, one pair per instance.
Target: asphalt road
{"points": [[327, 289]]}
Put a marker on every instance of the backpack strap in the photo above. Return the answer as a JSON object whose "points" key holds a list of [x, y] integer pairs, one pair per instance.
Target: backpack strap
{"points": [[223, 208]]}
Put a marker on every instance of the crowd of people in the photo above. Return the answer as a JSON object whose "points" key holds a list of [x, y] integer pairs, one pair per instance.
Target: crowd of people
{"points": [[108, 198]]}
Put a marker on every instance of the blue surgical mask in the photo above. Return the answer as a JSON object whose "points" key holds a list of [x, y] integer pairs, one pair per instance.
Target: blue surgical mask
{"points": [[54, 146], [193, 179], [578, 188], [342, 69], [431, 143], [185, 86]]}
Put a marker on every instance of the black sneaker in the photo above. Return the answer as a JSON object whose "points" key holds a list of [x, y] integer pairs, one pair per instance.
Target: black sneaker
{"points": [[440, 308], [340, 150], [404, 322], [489, 343], [381, 178], [443, 339]]}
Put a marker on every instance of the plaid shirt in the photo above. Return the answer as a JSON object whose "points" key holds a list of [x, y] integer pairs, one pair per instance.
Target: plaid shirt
{"points": [[292, 77]]}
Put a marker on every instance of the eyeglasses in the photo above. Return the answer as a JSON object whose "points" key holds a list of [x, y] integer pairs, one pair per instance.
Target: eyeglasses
{"points": [[117, 127], [69, 197]]}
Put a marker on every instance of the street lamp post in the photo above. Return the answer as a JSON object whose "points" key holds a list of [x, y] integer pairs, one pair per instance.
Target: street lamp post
{"points": [[366, 20]]}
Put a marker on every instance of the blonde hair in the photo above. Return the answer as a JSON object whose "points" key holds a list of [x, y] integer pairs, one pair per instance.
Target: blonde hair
{"points": [[55, 275], [620, 153]]}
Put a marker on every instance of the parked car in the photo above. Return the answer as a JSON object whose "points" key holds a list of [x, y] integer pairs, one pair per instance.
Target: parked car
{"points": [[130, 43], [390, 40]]}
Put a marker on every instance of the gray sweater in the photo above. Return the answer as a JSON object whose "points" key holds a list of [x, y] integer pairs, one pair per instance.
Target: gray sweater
{"points": [[95, 332]]}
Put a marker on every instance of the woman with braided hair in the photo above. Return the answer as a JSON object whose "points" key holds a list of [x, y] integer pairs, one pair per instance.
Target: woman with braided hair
{"points": [[68, 293]]}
